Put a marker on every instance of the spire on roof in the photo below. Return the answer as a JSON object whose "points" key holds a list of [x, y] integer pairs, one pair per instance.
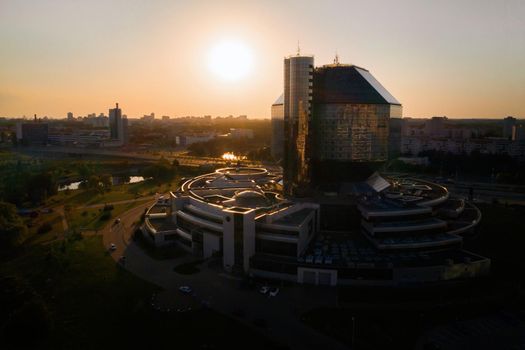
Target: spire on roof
{"points": [[336, 59], [298, 49]]}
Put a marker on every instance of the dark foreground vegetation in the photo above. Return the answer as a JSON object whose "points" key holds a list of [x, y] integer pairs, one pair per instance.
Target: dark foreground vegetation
{"points": [[72, 295]]}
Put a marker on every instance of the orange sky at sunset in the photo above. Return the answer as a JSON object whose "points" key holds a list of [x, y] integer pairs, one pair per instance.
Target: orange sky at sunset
{"points": [[460, 59]]}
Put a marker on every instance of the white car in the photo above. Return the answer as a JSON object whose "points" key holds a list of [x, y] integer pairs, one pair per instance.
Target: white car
{"points": [[112, 247], [185, 289], [264, 289], [274, 292]]}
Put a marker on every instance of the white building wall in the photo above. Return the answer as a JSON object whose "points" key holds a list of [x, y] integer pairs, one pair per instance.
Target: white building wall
{"points": [[228, 248], [211, 243], [248, 238]]}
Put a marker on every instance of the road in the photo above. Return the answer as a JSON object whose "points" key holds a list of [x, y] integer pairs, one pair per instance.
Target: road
{"points": [[282, 313]]}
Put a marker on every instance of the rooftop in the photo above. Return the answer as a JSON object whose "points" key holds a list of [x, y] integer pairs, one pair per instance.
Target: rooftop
{"points": [[338, 83]]}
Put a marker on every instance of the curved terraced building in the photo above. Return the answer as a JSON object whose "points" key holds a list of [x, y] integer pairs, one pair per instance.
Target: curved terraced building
{"points": [[409, 231]]}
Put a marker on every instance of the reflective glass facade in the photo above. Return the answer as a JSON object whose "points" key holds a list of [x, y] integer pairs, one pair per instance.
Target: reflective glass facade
{"points": [[278, 128], [336, 124], [352, 132], [298, 81]]}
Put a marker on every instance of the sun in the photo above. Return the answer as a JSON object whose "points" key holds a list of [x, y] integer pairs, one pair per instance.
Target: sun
{"points": [[230, 60]]}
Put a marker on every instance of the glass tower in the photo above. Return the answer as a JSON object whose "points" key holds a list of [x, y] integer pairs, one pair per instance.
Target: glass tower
{"points": [[298, 81], [351, 120]]}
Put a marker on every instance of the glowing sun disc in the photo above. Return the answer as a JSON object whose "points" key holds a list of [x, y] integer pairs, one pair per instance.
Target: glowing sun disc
{"points": [[230, 60]]}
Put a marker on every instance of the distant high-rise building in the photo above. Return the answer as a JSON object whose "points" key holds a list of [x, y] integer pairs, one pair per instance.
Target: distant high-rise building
{"points": [[70, 116], [118, 126], [33, 132], [278, 128], [115, 122], [508, 125]]}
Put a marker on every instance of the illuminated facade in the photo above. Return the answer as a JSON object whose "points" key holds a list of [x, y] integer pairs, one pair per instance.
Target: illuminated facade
{"points": [[351, 120], [336, 124], [278, 128], [298, 81]]}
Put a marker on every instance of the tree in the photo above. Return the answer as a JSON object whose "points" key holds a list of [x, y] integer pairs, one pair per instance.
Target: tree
{"points": [[105, 180], [162, 170], [11, 225], [41, 185]]}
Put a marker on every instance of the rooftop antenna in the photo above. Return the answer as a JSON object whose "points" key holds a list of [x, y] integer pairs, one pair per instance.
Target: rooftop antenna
{"points": [[298, 49], [336, 59], [117, 105]]}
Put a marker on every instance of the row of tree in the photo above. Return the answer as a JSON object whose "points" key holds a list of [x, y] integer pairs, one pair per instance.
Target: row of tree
{"points": [[23, 186]]}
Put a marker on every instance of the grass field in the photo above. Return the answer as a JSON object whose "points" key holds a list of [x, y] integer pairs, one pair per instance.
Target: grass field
{"points": [[34, 237], [92, 218], [123, 192]]}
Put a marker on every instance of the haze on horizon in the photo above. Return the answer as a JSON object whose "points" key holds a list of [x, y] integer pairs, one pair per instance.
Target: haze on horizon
{"points": [[453, 58]]}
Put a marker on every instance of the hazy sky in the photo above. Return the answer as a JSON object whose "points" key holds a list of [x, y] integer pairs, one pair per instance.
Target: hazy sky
{"points": [[455, 58]]}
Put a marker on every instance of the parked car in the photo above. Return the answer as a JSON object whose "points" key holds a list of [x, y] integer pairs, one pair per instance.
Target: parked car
{"points": [[117, 221], [264, 289], [274, 292], [112, 247], [185, 289]]}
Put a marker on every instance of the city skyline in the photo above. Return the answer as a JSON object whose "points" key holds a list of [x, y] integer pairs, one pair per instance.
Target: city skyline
{"points": [[456, 59]]}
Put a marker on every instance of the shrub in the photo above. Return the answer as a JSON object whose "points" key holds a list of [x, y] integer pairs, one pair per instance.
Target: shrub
{"points": [[106, 215], [44, 228]]}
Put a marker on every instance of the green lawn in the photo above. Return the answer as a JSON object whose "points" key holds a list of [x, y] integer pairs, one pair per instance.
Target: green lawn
{"points": [[91, 219], [54, 219], [118, 193], [91, 303]]}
